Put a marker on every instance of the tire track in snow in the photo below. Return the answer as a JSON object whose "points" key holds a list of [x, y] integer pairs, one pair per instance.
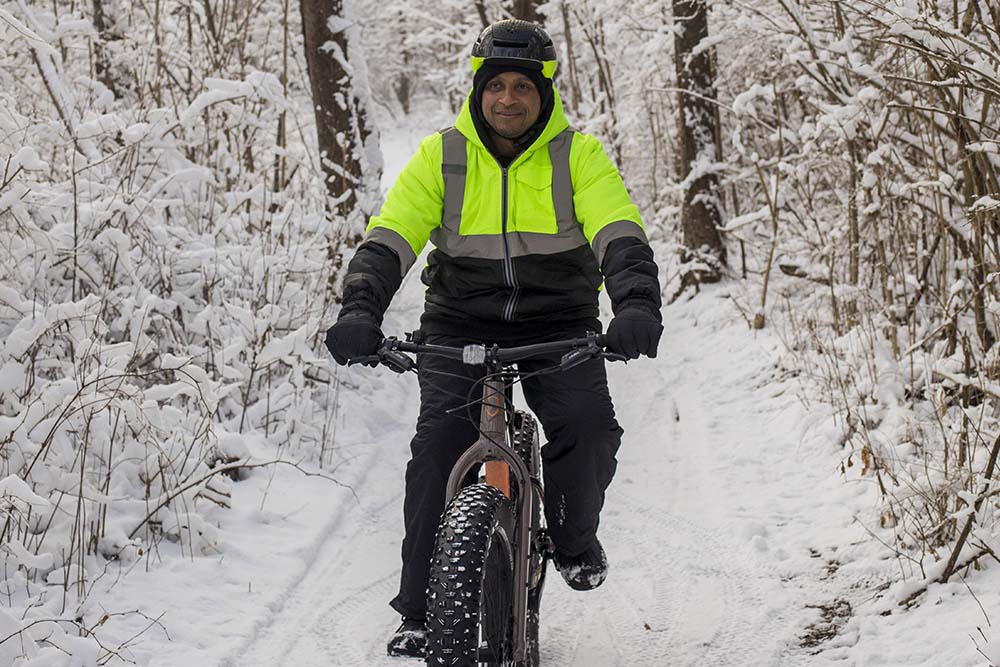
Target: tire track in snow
{"points": [[321, 624], [287, 611], [704, 592], [338, 626], [679, 489], [306, 627], [718, 601]]}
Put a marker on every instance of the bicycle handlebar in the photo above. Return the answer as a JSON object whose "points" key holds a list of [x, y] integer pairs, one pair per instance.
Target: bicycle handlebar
{"points": [[392, 352]]}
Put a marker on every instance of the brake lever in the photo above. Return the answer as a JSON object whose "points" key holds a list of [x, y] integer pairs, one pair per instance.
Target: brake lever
{"points": [[398, 362], [614, 356]]}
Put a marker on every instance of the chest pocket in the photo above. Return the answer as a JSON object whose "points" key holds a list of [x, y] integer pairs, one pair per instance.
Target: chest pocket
{"points": [[531, 206], [540, 192]]}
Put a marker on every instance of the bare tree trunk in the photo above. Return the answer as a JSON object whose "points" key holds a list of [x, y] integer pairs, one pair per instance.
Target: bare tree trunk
{"points": [[574, 85], [526, 10], [481, 9], [403, 86], [701, 214], [101, 69], [342, 123]]}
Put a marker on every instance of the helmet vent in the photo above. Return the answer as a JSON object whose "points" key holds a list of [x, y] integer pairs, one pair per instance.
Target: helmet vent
{"points": [[509, 43]]}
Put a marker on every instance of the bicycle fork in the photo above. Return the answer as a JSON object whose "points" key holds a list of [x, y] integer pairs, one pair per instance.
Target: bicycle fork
{"points": [[502, 463]]}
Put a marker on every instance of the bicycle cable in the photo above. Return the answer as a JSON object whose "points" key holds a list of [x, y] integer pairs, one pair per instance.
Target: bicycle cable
{"points": [[470, 402]]}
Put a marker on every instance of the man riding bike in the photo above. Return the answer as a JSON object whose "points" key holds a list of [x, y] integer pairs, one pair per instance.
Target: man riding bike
{"points": [[528, 217]]}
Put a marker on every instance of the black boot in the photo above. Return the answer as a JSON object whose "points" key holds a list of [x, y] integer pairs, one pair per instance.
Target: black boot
{"points": [[409, 640], [584, 571]]}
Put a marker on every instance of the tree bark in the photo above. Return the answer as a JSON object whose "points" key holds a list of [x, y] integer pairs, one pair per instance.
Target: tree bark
{"points": [[481, 10], [574, 85], [403, 86], [526, 10], [701, 214], [342, 124], [102, 69]]}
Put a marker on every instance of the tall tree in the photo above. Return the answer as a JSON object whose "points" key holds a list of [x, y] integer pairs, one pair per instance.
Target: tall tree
{"points": [[701, 214], [481, 10], [570, 66], [348, 143], [102, 69], [526, 10]]}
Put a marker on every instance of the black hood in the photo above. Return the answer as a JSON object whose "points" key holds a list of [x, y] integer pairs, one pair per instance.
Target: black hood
{"points": [[483, 76]]}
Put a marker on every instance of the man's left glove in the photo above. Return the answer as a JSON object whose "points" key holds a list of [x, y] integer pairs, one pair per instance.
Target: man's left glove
{"points": [[354, 335], [634, 331]]}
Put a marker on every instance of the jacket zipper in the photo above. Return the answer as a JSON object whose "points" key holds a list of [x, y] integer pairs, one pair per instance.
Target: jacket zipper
{"points": [[508, 264]]}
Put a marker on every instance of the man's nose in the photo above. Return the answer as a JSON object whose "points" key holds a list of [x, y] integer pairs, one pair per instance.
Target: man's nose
{"points": [[507, 96]]}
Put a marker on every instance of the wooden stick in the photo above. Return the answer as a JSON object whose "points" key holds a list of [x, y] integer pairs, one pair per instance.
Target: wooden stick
{"points": [[953, 560]]}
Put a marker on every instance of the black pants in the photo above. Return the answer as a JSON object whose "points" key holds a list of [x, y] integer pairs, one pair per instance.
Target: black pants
{"points": [[578, 459]]}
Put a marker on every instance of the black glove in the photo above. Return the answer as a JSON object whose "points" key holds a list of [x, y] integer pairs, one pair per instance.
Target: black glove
{"points": [[354, 335], [634, 331]]}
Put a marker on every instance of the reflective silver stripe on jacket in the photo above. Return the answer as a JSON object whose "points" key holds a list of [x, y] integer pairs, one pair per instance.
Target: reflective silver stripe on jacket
{"points": [[615, 230], [396, 243], [562, 182], [490, 246], [454, 167]]}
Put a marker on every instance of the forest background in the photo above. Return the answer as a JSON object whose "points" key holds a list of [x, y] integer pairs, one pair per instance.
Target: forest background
{"points": [[178, 197]]}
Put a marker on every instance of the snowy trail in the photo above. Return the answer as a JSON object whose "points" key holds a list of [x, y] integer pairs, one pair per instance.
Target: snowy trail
{"points": [[729, 527], [692, 579]]}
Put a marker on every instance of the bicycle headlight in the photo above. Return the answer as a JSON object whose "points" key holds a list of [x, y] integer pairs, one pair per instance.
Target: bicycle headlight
{"points": [[474, 355]]}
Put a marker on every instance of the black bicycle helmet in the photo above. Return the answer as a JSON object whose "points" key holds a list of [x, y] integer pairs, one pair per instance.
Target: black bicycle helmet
{"points": [[516, 43]]}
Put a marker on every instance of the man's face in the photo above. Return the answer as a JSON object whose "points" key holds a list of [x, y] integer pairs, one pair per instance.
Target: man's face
{"points": [[511, 104]]}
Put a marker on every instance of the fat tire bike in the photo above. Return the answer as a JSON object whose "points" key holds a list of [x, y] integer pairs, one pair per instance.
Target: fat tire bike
{"points": [[491, 551]]}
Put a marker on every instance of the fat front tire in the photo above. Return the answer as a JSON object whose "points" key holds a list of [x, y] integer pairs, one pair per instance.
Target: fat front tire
{"points": [[469, 595]]}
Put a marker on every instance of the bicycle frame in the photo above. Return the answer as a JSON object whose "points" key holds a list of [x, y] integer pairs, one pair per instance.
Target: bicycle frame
{"points": [[493, 448]]}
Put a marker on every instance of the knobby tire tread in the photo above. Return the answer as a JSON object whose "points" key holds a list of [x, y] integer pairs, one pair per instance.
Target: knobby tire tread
{"points": [[468, 530]]}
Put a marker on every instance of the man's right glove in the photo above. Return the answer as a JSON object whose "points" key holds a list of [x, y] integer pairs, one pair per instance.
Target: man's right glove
{"points": [[634, 331], [354, 335]]}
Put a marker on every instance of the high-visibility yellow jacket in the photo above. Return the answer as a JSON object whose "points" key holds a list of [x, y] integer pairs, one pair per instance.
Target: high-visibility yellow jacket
{"points": [[512, 244]]}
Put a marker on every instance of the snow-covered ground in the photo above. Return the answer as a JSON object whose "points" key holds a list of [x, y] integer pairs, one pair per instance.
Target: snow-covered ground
{"points": [[732, 535]]}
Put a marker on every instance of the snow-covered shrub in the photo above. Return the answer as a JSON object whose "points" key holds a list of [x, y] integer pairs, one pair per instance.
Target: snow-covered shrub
{"points": [[861, 146], [164, 271]]}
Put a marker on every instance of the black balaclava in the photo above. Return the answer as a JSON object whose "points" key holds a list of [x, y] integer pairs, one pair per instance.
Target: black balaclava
{"points": [[483, 76]]}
